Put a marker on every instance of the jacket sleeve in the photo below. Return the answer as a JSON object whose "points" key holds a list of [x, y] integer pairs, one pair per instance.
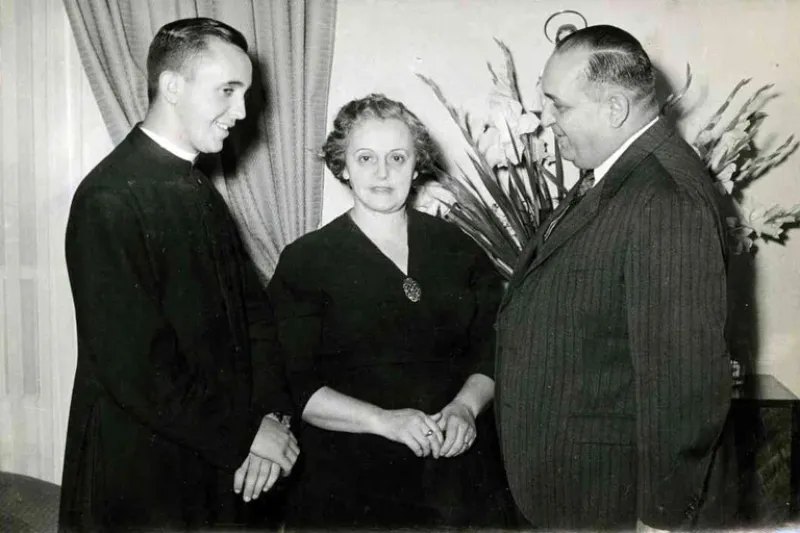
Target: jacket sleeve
{"points": [[131, 345], [486, 286], [298, 316], [270, 389], [676, 305]]}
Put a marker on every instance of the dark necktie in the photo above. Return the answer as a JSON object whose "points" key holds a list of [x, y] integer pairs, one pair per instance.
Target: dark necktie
{"points": [[585, 183]]}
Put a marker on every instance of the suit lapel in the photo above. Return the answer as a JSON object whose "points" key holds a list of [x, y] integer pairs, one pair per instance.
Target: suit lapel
{"points": [[579, 216], [528, 254], [589, 206], [645, 145]]}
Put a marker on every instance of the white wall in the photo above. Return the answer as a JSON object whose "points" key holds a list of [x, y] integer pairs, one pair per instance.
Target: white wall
{"points": [[380, 44], [51, 135]]}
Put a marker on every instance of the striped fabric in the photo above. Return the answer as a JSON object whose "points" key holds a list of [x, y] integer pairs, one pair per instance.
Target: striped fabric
{"points": [[613, 377], [582, 187]]}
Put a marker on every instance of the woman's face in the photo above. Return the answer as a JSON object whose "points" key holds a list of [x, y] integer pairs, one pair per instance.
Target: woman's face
{"points": [[379, 164]]}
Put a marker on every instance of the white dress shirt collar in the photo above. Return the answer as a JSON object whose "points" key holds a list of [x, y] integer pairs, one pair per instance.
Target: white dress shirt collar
{"points": [[169, 146], [603, 168]]}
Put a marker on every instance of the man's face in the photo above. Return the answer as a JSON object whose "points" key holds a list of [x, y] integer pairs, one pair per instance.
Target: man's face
{"points": [[579, 122], [212, 96]]}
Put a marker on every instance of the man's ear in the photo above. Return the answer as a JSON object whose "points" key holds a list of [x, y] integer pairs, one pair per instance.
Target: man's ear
{"points": [[170, 85], [619, 107]]}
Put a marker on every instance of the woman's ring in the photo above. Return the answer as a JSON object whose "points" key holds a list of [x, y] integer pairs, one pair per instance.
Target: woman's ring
{"points": [[429, 433]]}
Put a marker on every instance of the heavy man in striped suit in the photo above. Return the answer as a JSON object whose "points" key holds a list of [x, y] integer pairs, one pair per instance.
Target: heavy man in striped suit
{"points": [[613, 377]]}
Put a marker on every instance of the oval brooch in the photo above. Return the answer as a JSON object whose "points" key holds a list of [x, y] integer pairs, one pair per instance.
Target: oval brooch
{"points": [[412, 289]]}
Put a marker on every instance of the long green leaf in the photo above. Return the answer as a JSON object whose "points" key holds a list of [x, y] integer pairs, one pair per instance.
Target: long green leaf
{"points": [[475, 205], [511, 71], [437, 91], [745, 109], [717, 116], [496, 192]]}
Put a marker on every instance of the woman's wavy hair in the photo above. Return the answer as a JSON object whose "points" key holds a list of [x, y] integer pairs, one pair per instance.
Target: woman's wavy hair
{"points": [[378, 106]]}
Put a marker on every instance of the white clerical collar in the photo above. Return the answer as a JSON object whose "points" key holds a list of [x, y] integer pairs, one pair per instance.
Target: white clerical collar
{"points": [[603, 168], [169, 146]]}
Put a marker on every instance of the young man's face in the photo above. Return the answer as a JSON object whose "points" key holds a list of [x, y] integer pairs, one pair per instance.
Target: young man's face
{"points": [[212, 96]]}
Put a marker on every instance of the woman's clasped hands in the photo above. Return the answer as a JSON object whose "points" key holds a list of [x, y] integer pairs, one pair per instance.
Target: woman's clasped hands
{"points": [[457, 421], [448, 433]]}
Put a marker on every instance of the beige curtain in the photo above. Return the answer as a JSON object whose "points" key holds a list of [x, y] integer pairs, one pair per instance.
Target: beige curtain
{"points": [[51, 134], [272, 177]]}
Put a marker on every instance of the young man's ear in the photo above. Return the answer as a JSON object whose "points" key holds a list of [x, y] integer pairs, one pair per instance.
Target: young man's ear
{"points": [[619, 106], [170, 85]]}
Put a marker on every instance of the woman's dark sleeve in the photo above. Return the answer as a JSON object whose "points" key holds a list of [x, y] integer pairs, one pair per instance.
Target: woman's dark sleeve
{"points": [[298, 308], [487, 289], [270, 388]]}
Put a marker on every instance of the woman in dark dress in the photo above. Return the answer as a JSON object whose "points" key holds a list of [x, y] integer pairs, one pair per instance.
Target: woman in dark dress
{"points": [[385, 317]]}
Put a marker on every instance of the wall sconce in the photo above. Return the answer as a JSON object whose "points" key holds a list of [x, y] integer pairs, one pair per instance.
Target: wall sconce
{"points": [[570, 21]]}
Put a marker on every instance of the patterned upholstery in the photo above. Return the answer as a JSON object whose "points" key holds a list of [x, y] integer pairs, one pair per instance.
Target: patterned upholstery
{"points": [[27, 505]]}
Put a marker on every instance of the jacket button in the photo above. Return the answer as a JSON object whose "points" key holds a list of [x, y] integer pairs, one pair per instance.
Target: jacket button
{"points": [[691, 509]]}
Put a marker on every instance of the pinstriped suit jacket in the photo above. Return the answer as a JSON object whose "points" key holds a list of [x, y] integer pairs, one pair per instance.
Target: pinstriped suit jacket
{"points": [[613, 376]]}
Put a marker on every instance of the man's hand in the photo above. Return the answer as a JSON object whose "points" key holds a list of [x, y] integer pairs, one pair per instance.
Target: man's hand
{"points": [[256, 475], [276, 443]]}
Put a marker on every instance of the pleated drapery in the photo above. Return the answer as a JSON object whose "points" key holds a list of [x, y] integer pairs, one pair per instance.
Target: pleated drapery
{"points": [[272, 176], [51, 134]]}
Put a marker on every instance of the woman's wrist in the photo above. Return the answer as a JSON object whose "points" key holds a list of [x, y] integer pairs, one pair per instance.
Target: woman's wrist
{"points": [[375, 422], [471, 408], [475, 395]]}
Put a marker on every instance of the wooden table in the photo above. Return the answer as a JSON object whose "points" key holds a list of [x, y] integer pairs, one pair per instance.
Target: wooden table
{"points": [[764, 390]]}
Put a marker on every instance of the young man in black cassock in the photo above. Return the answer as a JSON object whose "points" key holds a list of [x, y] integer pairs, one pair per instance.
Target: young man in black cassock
{"points": [[178, 391]]}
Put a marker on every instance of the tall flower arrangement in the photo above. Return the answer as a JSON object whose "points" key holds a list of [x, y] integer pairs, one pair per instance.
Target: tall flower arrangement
{"points": [[732, 156], [516, 179], [519, 180]]}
